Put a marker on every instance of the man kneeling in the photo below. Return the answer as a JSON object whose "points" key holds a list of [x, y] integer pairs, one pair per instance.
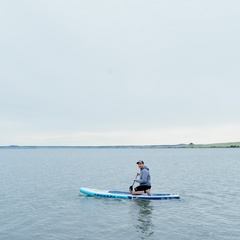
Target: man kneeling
{"points": [[144, 181]]}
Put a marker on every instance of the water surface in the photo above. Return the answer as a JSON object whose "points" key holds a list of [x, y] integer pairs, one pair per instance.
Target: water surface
{"points": [[40, 199]]}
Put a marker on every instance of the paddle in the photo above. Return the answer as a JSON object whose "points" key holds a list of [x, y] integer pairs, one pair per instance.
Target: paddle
{"points": [[131, 187]]}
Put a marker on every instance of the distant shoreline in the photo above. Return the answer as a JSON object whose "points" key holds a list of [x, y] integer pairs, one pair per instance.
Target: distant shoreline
{"points": [[191, 145]]}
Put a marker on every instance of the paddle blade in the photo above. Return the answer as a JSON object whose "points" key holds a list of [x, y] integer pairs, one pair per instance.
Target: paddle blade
{"points": [[130, 188]]}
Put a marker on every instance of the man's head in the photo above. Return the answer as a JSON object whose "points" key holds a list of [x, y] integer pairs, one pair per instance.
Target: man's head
{"points": [[140, 163]]}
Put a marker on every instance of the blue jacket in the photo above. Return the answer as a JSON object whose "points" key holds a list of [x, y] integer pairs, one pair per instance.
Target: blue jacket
{"points": [[145, 178]]}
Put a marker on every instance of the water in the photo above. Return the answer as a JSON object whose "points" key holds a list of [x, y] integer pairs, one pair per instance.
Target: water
{"points": [[40, 199]]}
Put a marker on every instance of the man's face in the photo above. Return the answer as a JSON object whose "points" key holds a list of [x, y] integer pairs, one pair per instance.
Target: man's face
{"points": [[140, 165]]}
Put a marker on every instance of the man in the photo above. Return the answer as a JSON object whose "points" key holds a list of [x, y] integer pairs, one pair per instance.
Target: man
{"points": [[144, 181]]}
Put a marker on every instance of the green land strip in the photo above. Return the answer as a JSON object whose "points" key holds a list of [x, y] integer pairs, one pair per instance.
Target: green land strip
{"points": [[215, 145], [190, 145]]}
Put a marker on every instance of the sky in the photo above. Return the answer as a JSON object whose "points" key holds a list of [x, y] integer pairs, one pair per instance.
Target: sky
{"points": [[129, 72]]}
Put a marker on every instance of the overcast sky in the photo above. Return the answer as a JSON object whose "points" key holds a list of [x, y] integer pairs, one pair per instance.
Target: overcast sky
{"points": [[124, 72]]}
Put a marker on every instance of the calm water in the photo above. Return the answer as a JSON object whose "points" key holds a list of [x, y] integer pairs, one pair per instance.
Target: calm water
{"points": [[40, 199]]}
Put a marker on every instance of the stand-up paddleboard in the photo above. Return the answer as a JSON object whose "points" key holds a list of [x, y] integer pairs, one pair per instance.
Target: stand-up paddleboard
{"points": [[125, 195]]}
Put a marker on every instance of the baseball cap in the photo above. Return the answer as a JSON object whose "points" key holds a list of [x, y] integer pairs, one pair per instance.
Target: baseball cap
{"points": [[140, 161]]}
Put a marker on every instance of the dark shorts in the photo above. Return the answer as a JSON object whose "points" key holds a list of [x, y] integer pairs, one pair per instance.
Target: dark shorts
{"points": [[142, 188]]}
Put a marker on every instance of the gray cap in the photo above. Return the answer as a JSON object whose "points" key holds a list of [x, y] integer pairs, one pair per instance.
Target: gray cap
{"points": [[140, 161]]}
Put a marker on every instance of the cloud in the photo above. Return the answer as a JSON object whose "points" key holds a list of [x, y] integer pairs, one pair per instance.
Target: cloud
{"points": [[135, 67]]}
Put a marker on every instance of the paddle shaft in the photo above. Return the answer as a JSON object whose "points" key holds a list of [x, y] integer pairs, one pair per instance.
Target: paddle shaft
{"points": [[131, 187]]}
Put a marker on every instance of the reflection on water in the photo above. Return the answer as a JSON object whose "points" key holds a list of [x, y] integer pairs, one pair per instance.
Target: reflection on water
{"points": [[142, 212]]}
